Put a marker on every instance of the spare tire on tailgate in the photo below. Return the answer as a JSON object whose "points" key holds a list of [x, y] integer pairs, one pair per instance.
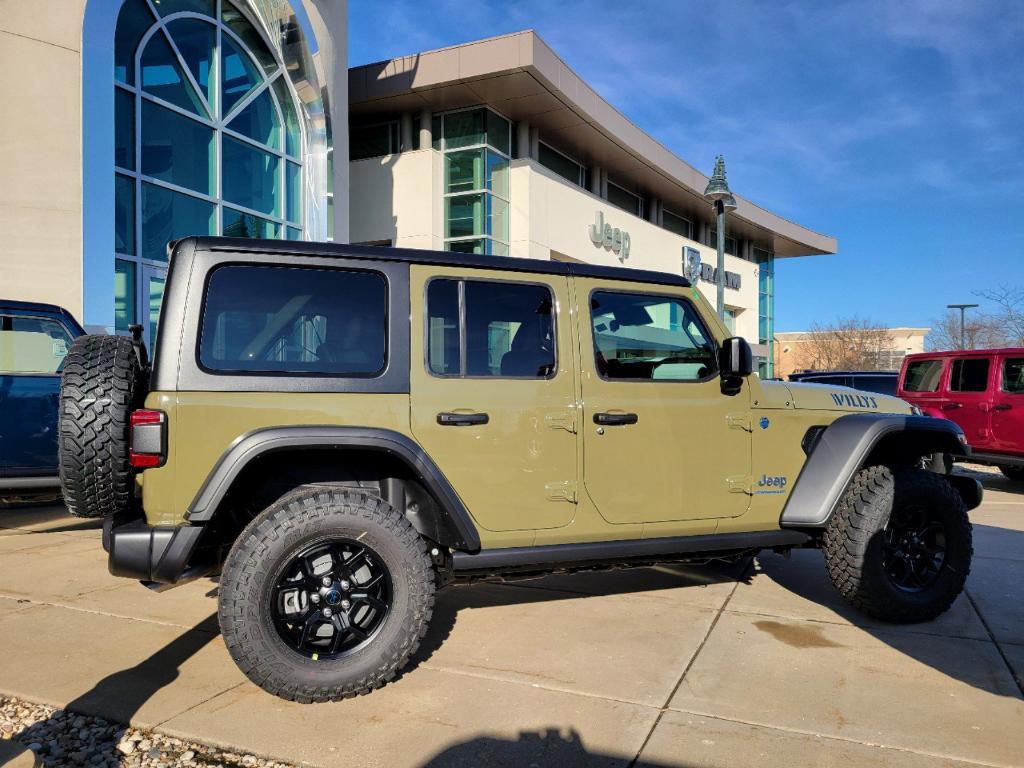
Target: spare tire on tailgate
{"points": [[103, 381]]}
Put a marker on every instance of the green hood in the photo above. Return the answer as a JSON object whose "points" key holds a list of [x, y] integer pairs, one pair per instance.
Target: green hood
{"points": [[826, 397]]}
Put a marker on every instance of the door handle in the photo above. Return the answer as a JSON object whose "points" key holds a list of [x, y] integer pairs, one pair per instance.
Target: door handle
{"points": [[448, 419], [1002, 407], [615, 419], [950, 406]]}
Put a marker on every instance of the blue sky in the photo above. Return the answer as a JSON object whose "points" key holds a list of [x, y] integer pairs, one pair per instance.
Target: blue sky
{"points": [[896, 126]]}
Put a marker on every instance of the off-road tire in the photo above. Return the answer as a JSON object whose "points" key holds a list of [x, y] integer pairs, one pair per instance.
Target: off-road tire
{"points": [[852, 543], [101, 384], [1013, 473], [299, 518]]}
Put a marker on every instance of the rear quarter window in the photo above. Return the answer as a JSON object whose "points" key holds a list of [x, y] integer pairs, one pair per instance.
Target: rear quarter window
{"points": [[32, 345], [923, 376], [294, 320]]}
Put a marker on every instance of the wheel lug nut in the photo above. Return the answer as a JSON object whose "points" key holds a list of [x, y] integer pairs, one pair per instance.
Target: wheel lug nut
{"points": [[326, 581], [345, 584], [328, 612], [346, 604], [315, 597]]}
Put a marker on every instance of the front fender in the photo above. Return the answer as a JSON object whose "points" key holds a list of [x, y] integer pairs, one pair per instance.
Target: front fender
{"points": [[854, 441]]}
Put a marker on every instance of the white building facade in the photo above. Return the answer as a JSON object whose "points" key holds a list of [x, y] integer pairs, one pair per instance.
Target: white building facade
{"points": [[497, 147]]}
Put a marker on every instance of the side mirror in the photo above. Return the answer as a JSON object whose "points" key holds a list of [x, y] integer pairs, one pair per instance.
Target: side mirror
{"points": [[735, 363]]}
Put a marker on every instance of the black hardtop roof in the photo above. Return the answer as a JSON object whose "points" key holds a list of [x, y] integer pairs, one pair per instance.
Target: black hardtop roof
{"points": [[841, 373], [417, 256]]}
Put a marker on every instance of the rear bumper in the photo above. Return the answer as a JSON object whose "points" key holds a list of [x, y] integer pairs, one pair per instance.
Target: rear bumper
{"points": [[151, 553]]}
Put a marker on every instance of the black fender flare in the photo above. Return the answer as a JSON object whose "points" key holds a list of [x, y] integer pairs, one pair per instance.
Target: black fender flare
{"points": [[847, 443], [263, 441]]}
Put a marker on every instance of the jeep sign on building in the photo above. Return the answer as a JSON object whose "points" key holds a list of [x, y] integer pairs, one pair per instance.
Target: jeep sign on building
{"points": [[498, 147]]}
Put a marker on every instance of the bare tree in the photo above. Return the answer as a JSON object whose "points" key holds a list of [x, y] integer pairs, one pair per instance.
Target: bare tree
{"points": [[848, 344], [1009, 313], [1003, 327]]}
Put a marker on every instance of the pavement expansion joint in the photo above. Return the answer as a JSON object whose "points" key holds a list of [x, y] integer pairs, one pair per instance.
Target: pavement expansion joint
{"points": [[689, 664], [845, 739], [999, 648], [96, 611]]}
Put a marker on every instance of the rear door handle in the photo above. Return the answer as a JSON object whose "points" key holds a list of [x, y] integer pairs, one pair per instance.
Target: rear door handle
{"points": [[448, 419], [615, 419], [1002, 407], [950, 406]]}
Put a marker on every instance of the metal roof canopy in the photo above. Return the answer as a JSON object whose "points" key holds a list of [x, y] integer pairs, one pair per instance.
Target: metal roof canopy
{"points": [[521, 77]]}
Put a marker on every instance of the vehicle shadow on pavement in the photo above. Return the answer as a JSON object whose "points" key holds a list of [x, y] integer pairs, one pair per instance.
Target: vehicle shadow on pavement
{"points": [[541, 749], [119, 696], [521, 591], [940, 643]]}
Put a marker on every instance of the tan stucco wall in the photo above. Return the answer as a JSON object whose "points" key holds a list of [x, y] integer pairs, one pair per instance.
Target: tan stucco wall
{"points": [[396, 198], [41, 152]]}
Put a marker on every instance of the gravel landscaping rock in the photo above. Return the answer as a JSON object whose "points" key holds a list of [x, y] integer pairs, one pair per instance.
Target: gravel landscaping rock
{"points": [[62, 738]]}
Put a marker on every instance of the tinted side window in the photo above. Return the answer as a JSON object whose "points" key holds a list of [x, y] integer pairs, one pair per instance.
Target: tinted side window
{"points": [[490, 329], [648, 337], [969, 375], [883, 385], [32, 345], [923, 376], [294, 320], [1013, 375]]}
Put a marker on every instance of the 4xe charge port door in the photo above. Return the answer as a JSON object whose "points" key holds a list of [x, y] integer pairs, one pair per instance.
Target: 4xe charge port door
{"points": [[493, 400], [661, 442]]}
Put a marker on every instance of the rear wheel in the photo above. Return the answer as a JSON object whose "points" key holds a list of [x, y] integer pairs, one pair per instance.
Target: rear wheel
{"points": [[102, 382], [325, 595], [1013, 473], [898, 546]]}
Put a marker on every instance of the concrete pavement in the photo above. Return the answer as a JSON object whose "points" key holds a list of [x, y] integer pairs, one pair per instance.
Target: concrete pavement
{"points": [[665, 666]]}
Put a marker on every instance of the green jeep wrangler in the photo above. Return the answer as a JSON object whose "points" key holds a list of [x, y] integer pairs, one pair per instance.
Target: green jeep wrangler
{"points": [[340, 430]]}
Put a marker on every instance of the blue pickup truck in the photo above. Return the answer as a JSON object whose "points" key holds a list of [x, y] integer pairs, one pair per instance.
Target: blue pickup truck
{"points": [[34, 339]]}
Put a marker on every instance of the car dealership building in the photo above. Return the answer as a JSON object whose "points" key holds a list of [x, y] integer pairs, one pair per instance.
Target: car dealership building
{"points": [[164, 118]]}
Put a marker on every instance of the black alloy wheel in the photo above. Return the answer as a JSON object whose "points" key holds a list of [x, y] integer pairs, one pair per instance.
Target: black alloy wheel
{"points": [[914, 548], [331, 598]]}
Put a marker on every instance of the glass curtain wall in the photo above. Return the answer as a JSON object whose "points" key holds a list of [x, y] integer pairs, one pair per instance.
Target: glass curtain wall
{"points": [[766, 308], [207, 141], [476, 144]]}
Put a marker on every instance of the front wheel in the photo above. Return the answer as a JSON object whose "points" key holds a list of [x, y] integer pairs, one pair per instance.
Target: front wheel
{"points": [[325, 595], [1013, 473], [898, 547]]}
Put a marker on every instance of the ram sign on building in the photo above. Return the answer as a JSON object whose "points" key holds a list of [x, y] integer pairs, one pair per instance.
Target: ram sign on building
{"points": [[498, 147]]}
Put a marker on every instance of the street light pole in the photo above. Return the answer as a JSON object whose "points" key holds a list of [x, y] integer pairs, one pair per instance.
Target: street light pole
{"points": [[962, 308], [720, 273], [717, 193]]}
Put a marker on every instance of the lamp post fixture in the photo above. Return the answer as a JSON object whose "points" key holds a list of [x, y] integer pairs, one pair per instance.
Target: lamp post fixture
{"points": [[717, 193], [962, 308]]}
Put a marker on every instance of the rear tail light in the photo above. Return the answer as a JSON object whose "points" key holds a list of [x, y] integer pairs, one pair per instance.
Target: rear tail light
{"points": [[148, 444]]}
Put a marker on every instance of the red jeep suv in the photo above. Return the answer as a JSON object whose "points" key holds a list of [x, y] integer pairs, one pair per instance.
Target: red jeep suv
{"points": [[982, 391]]}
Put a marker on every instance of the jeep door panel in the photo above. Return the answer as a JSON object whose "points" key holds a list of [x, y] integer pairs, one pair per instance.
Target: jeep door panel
{"points": [[660, 440], [485, 407], [969, 399], [1008, 406]]}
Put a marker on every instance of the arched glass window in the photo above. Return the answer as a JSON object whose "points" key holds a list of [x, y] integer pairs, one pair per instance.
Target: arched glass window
{"points": [[207, 140]]}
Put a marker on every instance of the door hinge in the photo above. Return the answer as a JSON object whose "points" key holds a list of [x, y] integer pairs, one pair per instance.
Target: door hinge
{"points": [[562, 420], [739, 421], [564, 490], [739, 483]]}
